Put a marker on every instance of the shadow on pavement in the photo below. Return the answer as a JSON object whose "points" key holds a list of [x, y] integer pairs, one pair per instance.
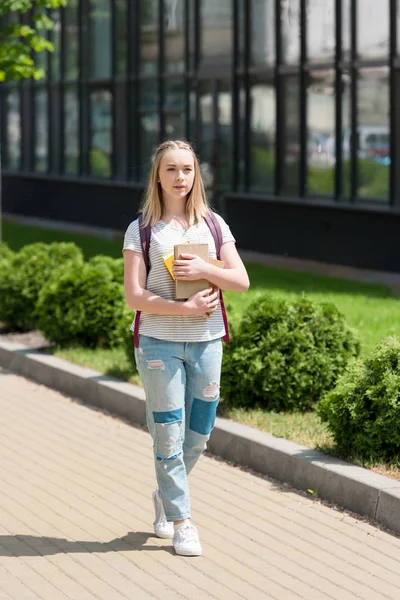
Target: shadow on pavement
{"points": [[31, 545]]}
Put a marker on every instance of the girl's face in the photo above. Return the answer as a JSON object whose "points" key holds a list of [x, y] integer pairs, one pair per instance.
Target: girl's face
{"points": [[176, 173]]}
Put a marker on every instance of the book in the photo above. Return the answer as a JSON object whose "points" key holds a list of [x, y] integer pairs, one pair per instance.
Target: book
{"points": [[169, 260], [186, 289]]}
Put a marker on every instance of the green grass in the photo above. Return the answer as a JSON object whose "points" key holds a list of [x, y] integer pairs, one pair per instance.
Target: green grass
{"points": [[17, 235], [372, 310]]}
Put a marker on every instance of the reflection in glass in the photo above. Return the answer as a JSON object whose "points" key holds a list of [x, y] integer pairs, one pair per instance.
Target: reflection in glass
{"points": [[56, 40], [121, 41], [262, 134], [290, 18], [346, 29], [290, 134], [320, 30], [148, 94], [225, 132], [100, 38], [208, 144], [346, 133], [101, 133], [373, 139], [263, 32], [174, 105], [216, 35], [321, 149], [149, 137], [13, 130], [174, 19], [71, 131], [41, 132], [149, 36], [373, 29], [71, 40]]}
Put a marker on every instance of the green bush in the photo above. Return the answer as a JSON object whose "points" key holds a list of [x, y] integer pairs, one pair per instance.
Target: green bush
{"points": [[84, 306], [25, 274], [5, 252], [115, 266], [363, 410], [284, 355]]}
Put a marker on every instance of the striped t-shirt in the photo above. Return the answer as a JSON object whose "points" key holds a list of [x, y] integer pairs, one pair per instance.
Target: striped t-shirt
{"points": [[175, 328]]}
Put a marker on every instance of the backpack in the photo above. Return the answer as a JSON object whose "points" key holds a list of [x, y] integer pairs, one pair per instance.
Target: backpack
{"points": [[145, 235]]}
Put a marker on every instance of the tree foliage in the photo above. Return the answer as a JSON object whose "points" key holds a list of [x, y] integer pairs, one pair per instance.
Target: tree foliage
{"points": [[20, 42]]}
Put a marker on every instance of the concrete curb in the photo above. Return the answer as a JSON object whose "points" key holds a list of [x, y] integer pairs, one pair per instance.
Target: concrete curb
{"points": [[354, 488]]}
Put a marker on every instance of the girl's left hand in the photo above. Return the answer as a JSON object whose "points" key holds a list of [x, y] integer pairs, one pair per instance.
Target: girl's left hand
{"points": [[191, 267]]}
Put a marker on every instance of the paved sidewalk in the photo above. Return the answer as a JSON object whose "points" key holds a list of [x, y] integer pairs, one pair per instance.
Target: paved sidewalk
{"points": [[76, 520]]}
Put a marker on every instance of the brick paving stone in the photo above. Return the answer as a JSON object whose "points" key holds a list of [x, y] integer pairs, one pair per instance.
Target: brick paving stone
{"points": [[76, 519]]}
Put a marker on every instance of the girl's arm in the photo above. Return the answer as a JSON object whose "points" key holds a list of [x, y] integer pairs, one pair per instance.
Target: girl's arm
{"points": [[232, 277], [138, 298]]}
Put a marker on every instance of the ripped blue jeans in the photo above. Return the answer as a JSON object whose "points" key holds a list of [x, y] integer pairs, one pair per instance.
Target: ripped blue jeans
{"points": [[181, 382]]}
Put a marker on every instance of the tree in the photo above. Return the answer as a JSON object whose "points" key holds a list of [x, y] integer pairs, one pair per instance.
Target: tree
{"points": [[21, 41]]}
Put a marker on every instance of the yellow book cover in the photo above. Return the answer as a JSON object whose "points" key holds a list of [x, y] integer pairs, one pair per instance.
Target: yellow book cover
{"points": [[169, 259]]}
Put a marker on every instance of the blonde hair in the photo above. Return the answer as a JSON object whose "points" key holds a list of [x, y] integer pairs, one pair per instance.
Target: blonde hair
{"points": [[196, 201]]}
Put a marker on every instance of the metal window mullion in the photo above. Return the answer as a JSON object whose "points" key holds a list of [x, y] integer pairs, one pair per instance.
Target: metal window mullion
{"points": [[246, 83], [61, 114], [84, 109], [353, 103], [235, 98], [303, 98], [114, 41], [187, 68], [161, 69], [196, 86], [4, 90], [394, 189], [278, 96], [133, 90], [338, 102], [51, 152]]}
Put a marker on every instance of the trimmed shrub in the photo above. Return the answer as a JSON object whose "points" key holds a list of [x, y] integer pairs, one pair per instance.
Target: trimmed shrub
{"points": [[84, 306], [363, 410], [115, 265], [284, 355], [5, 252], [25, 274]]}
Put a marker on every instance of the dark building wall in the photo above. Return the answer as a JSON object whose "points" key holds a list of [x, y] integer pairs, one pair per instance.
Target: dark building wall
{"points": [[360, 237]]}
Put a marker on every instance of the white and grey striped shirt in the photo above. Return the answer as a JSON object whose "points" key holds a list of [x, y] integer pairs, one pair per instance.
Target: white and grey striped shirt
{"points": [[175, 328]]}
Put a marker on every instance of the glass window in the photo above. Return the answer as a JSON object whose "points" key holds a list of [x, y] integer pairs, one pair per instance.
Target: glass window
{"points": [[41, 130], [71, 132], [373, 28], [373, 139], [13, 130], [216, 36], [100, 38], [149, 37], [148, 95], [290, 22], [290, 134], [101, 133], [174, 23], [149, 138], [321, 148], [263, 32], [225, 132], [71, 40], [346, 29], [262, 133], [121, 15], [56, 40], [321, 30], [346, 132]]}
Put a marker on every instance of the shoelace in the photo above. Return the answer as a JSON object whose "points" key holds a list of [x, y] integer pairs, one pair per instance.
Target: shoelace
{"points": [[188, 534]]}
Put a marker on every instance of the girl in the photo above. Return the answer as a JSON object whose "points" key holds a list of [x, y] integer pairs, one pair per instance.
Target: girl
{"points": [[179, 353]]}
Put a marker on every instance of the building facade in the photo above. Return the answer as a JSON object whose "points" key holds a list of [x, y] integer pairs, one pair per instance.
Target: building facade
{"points": [[293, 107]]}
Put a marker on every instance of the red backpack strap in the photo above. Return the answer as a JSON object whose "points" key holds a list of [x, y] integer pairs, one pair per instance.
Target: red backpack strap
{"points": [[145, 235], [216, 232]]}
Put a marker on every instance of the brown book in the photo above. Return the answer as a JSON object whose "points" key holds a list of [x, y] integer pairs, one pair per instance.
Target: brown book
{"points": [[186, 289]]}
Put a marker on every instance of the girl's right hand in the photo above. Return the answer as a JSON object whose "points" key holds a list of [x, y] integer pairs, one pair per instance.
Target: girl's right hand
{"points": [[204, 303]]}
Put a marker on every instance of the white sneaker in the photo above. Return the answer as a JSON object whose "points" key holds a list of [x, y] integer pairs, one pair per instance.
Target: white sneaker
{"points": [[186, 540], [162, 528]]}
